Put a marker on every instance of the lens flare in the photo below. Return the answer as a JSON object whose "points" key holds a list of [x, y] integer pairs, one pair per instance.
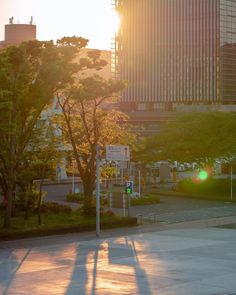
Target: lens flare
{"points": [[203, 175]]}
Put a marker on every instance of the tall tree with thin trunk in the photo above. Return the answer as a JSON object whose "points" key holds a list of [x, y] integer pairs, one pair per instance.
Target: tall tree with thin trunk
{"points": [[30, 74], [86, 124]]}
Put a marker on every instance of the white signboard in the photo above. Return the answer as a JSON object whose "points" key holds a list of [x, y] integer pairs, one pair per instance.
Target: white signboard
{"points": [[118, 152]]}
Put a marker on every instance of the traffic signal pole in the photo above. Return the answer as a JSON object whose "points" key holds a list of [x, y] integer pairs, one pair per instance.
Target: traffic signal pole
{"points": [[129, 185]]}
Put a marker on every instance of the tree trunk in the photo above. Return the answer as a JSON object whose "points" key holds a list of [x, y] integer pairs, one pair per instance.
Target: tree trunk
{"points": [[88, 187], [89, 208], [8, 211], [39, 204], [10, 179], [26, 208]]}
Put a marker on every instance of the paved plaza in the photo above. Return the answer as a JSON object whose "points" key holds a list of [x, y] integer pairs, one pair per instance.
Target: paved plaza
{"points": [[176, 209], [186, 260]]}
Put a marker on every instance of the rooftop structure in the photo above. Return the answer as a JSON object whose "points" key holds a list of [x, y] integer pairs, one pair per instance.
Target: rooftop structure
{"points": [[17, 33]]}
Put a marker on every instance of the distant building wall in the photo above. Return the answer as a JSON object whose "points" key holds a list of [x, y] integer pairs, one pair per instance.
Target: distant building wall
{"points": [[181, 51], [17, 33]]}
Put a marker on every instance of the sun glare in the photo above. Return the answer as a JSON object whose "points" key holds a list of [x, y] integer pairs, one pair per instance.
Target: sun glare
{"points": [[92, 19], [114, 22]]}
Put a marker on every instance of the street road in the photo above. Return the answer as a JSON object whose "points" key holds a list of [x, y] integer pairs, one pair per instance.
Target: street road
{"points": [[170, 209]]}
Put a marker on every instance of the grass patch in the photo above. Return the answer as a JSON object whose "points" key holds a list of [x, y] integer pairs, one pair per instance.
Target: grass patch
{"points": [[79, 198], [228, 226], [60, 223], [213, 189], [145, 200]]}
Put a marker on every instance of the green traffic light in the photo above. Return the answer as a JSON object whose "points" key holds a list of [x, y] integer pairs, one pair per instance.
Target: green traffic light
{"points": [[202, 175]]}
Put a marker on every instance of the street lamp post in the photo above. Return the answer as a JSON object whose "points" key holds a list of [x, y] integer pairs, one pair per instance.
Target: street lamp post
{"points": [[97, 192], [231, 183]]}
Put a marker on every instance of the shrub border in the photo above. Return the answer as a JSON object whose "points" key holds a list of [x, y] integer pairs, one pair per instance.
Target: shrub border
{"points": [[61, 230]]}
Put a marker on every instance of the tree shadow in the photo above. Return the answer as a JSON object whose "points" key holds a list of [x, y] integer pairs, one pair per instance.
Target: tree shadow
{"points": [[86, 272], [9, 266], [80, 276], [130, 258]]}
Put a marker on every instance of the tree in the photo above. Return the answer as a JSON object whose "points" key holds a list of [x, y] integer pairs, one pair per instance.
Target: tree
{"points": [[86, 124], [29, 76], [195, 137], [39, 164]]}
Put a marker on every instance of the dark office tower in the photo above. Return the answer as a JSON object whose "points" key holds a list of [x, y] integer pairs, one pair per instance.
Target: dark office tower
{"points": [[176, 52]]}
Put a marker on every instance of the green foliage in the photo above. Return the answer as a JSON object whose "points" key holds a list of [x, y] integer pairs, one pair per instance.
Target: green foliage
{"points": [[59, 223], [78, 198], [30, 74], [107, 172], [86, 123], [193, 137], [52, 207], [208, 188], [199, 137], [89, 207], [27, 199], [37, 169], [145, 200]]}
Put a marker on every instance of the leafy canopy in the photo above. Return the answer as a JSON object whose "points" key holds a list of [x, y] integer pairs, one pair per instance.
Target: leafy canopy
{"points": [[194, 137]]}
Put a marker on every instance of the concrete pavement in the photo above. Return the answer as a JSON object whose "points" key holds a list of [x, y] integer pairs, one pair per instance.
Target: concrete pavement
{"points": [[183, 259], [176, 209]]}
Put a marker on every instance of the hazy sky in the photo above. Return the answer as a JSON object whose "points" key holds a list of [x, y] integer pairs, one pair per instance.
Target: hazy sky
{"points": [[92, 19]]}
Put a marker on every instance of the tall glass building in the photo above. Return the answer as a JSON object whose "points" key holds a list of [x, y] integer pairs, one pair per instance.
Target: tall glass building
{"points": [[176, 52]]}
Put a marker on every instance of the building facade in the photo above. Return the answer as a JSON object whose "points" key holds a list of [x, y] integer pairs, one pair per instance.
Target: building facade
{"points": [[176, 52]]}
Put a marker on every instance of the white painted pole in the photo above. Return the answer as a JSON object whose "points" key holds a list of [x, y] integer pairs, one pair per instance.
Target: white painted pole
{"points": [[139, 184], [122, 173], [124, 207], [231, 183], [73, 177], [97, 192]]}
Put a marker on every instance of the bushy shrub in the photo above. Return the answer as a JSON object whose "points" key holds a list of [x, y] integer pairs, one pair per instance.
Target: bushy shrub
{"points": [[145, 200], [78, 198], [108, 213], [89, 206], [211, 185], [53, 207], [27, 200], [103, 198]]}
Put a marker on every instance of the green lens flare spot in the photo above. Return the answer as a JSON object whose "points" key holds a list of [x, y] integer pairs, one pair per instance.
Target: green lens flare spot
{"points": [[203, 175]]}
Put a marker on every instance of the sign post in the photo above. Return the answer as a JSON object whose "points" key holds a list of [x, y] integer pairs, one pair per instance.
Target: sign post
{"points": [[129, 185], [231, 183], [97, 192], [121, 153], [118, 152], [139, 184]]}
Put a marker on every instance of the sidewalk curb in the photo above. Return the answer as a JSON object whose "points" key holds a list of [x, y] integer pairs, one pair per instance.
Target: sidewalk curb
{"points": [[116, 232], [189, 196]]}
